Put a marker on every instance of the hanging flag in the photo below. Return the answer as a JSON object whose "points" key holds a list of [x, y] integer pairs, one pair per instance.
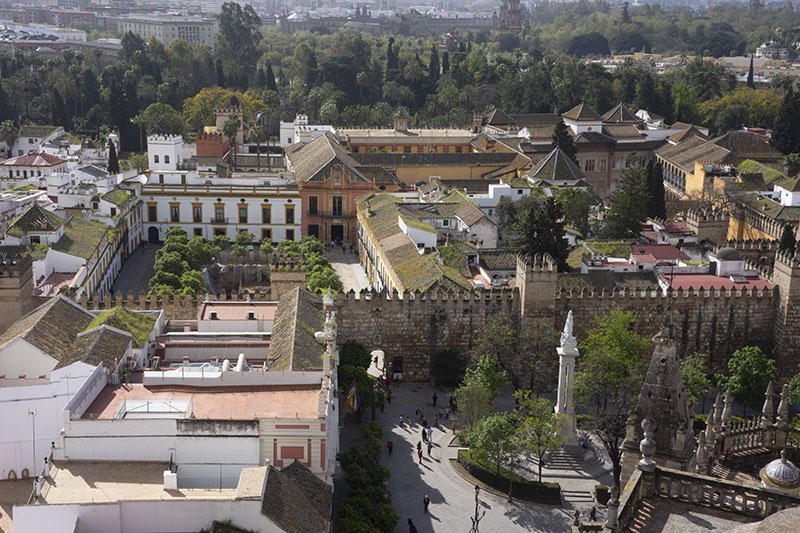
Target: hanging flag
{"points": [[352, 400]]}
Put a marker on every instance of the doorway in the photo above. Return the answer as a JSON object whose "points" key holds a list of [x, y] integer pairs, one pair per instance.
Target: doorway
{"points": [[152, 235], [337, 232]]}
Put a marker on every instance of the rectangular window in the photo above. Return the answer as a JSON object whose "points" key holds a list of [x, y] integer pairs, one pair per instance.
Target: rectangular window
{"points": [[266, 215], [183, 180], [174, 213], [219, 231], [289, 234], [602, 164], [337, 176], [290, 214], [458, 149], [266, 235], [313, 230], [242, 214], [161, 179], [313, 205], [197, 213], [198, 232], [152, 213], [219, 214], [589, 165], [337, 205], [113, 211]]}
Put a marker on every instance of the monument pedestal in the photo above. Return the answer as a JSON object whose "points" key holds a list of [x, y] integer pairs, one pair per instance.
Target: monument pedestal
{"points": [[564, 405]]}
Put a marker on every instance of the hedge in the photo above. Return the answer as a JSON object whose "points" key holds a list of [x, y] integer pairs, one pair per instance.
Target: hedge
{"points": [[549, 493]]}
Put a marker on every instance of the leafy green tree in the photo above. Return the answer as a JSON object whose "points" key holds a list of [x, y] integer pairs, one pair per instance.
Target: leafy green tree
{"points": [[193, 281], [220, 242], [788, 243], [163, 280], [8, 133], [538, 228], [785, 133], [536, 426], [794, 389], [694, 371], [562, 138], [113, 161], [239, 35], [492, 440], [630, 201], [576, 204], [448, 366], [353, 353], [171, 262], [161, 119], [792, 162], [589, 44], [266, 247], [324, 279], [749, 373], [609, 377], [487, 374], [198, 252], [474, 401]]}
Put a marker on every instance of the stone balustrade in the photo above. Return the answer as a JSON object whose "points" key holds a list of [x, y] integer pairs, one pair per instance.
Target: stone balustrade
{"points": [[630, 499]]}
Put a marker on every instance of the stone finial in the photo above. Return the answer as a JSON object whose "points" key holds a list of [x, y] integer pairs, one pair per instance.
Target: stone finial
{"points": [[648, 446], [727, 411], [783, 408], [568, 342], [664, 336], [718, 412], [700, 457], [767, 412]]}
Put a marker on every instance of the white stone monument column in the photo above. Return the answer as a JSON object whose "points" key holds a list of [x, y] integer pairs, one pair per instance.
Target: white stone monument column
{"points": [[567, 355]]}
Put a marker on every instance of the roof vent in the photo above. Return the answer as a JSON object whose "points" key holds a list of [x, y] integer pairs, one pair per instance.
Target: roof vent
{"points": [[213, 315]]}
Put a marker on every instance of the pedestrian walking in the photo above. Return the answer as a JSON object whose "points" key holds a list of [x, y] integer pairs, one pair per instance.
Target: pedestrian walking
{"points": [[430, 446], [419, 453], [419, 446], [436, 421], [435, 397], [593, 514], [425, 503], [401, 420], [390, 446], [417, 413], [430, 434], [411, 527], [424, 435], [389, 395]]}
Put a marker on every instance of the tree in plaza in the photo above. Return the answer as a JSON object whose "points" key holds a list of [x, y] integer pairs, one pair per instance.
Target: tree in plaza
{"points": [[198, 252], [474, 402], [694, 371], [562, 138], [536, 426], [629, 203], [788, 243], [241, 244], [323, 279], [657, 204], [353, 353], [266, 247], [487, 374], [492, 440], [113, 161], [749, 373], [193, 281], [609, 377]]}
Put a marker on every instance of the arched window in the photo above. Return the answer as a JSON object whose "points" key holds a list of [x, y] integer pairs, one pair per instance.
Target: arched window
{"points": [[155, 159], [166, 159]]}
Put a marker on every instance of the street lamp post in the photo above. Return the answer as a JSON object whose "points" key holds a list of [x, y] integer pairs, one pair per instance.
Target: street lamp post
{"points": [[32, 413], [478, 514]]}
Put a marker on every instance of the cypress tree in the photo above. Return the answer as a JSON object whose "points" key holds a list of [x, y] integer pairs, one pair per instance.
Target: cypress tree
{"points": [[221, 82], [656, 205], [271, 83], [750, 82], [59, 111], [433, 68], [785, 134], [113, 162], [541, 231], [5, 105], [562, 138], [445, 62], [261, 79], [788, 243]]}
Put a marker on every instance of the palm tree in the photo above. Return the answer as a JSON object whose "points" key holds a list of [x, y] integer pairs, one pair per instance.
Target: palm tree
{"points": [[258, 136]]}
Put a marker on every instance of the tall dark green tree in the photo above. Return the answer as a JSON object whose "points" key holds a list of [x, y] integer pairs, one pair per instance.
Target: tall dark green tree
{"points": [[220, 74], [785, 133], [445, 62], [788, 243], [58, 111], [626, 16], [750, 82], [540, 230], [238, 36], [656, 205], [562, 138], [392, 62], [6, 112], [113, 161], [629, 207], [272, 85], [433, 68], [646, 93]]}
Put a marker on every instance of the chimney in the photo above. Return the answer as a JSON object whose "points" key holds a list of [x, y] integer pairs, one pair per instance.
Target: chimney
{"points": [[213, 315], [400, 121]]}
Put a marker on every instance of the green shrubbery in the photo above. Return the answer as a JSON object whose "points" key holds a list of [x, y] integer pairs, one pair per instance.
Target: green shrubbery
{"points": [[369, 505], [320, 276], [178, 262], [527, 490]]}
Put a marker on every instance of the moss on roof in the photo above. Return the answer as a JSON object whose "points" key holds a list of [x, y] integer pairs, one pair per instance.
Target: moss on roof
{"points": [[35, 219], [117, 197], [140, 325], [24, 188], [754, 167], [610, 248], [81, 237]]}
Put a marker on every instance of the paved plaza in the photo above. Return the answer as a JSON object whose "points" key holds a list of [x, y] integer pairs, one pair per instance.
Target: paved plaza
{"points": [[347, 267], [453, 497]]}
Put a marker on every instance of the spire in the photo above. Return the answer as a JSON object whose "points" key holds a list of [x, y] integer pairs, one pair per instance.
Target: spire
{"points": [[767, 412], [700, 455], [727, 411], [783, 408]]}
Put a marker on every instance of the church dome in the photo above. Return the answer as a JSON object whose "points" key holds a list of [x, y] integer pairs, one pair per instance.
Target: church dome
{"points": [[728, 254], [781, 473]]}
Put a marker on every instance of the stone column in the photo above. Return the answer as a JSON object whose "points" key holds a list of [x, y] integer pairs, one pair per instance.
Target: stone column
{"points": [[567, 355]]}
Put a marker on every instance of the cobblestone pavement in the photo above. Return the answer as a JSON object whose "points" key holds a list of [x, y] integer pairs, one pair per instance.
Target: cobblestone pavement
{"points": [[349, 270], [137, 271], [453, 497]]}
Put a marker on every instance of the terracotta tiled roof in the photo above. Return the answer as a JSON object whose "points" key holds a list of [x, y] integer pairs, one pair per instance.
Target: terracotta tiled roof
{"points": [[621, 114], [297, 500], [293, 345], [309, 159], [582, 112], [33, 160], [686, 134]]}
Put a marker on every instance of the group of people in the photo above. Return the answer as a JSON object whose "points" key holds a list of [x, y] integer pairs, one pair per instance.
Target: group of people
{"points": [[329, 247]]}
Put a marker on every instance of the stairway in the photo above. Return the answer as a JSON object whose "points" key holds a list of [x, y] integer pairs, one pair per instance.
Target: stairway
{"points": [[569, 458], [577, 497], [639, 521]]}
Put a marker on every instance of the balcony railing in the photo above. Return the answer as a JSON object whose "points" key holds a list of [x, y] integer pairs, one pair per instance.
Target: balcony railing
{"points": [[218, 220]]}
